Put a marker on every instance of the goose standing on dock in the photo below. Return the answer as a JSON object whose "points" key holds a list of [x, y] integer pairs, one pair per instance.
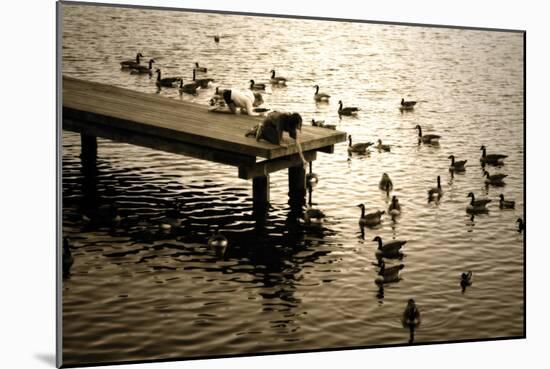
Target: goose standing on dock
{"points": [[436, 191], [371, 219], [385, 183], [394, 208], [521, 225], [427, 139], [359, 148], [457, 166], [350, 110], [321, 123], [494, 159], [200, 69], [257, 86], [382, 147], [477, 206], [189, 88], [131, 63], [166, 82], [320, 96], [388, 250], [506, 204], [407, 104], [142, 69], [277, 80], [495, 179]]}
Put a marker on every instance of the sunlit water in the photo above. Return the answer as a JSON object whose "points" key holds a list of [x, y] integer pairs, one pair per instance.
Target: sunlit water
{"points": [[136, 292]]}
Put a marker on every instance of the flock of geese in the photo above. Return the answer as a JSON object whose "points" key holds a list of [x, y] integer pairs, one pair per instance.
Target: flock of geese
{"points": [[388, 250]]}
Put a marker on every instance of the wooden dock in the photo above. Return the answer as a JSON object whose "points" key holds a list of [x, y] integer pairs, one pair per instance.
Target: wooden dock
{"points": [[99, 110]]}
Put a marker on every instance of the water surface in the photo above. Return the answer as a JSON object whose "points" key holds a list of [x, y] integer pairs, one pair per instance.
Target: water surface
{"points": [[136, 292]]}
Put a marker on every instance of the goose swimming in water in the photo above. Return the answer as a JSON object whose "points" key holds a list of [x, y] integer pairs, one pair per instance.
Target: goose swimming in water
{"points": [[142, 69], [189, 88], [436, 191], [311, 180], [395, 207], [457, 166], [200, 69], [257, 86], [131, 63], [495, 179], [312, 215], [68, 259], [371, 219], [477, 206], [359, 148], [166, 82], [203, 82], [388, 274], [494, 159], [407, 104], [351, 110], [218, 242], [466, 280], [521, 225], [388, 250], [427, 139], [277, 80], [385, 182], [320, 96], [506, 204], [411, 315], [382, 147]]}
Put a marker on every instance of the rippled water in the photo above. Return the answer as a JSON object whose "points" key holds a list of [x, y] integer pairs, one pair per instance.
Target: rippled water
{"points": [[136, 292]]}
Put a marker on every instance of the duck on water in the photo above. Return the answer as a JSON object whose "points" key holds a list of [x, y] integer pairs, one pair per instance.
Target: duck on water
{"points": [[477, 206], [167, 81], [131, 63], [370, 219], [427, 139], [458, 165], [391, 249], [493, 159], [359, 147]]}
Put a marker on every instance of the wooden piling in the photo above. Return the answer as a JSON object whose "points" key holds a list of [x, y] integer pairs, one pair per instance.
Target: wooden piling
{"points": [[88, 154], [260, 192], [296, 185]]}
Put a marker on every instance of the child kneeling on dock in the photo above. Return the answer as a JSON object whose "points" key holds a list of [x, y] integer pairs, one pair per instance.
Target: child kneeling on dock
{"points": [[273, 127]]}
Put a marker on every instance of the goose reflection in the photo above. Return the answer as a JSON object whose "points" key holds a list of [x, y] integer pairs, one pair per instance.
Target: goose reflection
{"points": [[388, 274]]}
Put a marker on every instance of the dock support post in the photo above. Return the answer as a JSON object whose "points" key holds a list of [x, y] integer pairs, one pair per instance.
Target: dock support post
{"points": [[88, 152], [260, 192], [297, 186]]}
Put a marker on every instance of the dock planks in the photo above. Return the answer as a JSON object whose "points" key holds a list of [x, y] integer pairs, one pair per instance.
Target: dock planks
{"points": [[114, 112]]}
